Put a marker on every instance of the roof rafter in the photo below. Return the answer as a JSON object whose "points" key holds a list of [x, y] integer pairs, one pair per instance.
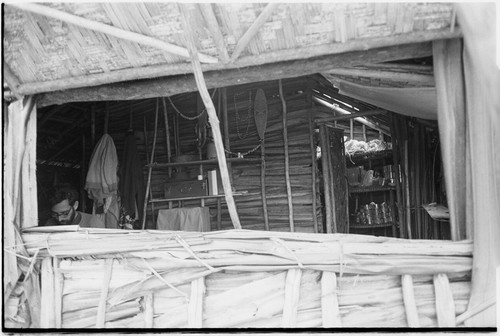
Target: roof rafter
{"points": [[214, 28], [110, 30], [254, 28]]}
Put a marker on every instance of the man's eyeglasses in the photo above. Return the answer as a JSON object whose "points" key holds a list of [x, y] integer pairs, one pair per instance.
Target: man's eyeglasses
{"points": [[61, 214]]}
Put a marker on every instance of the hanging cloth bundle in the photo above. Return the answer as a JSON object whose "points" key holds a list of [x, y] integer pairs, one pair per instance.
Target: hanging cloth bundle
{"points": [[131, 178], [102, 180]]}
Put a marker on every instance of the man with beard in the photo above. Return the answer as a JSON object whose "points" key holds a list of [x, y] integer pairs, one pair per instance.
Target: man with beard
{"points": [[64, 210]]}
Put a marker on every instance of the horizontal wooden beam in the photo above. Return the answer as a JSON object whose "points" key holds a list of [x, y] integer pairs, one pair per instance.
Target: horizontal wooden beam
{"points": [[350, 116], [394, 76], [168, 86], [156, 71]]}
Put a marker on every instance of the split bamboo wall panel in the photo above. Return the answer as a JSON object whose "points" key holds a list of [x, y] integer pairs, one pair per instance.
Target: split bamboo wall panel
{"points": [[246, 177], [94, 278]]}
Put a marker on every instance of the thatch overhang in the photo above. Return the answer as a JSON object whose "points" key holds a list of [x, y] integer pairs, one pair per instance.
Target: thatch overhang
{"points": [[60, 46]]}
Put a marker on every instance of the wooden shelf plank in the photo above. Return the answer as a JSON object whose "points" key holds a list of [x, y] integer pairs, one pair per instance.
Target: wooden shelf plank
{"points": [[370, 226], [204, 162], [375, 188], [158, 200]]}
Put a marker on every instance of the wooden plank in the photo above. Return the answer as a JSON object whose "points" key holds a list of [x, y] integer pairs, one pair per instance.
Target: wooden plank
{"points": [[445, 306], [212, 117], [287, 159], [329, 301], [359, 45], [253, 30], [58, 293], [110, 30], [448, 70], [216, 77], [409, 301]]}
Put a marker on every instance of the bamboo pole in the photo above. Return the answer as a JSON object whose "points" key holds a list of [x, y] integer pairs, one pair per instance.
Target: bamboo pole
{"points": [[287, 160], [253, 30], [167, 138], [47, 314], [110, 30], [146, 150], [326, 178], [292, 296], [396, 139], [445, 307], [406, 182], [313, 172], [92, 125], [148, 310], [148, 186], [263, 183], [58, 293], [101, 308], [350, 116], [329, 300], [195, 305], [409, 301], [213, 25], [214, 121]]}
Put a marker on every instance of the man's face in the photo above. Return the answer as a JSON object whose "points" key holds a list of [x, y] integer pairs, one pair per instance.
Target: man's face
{"points": [[63, 213]]}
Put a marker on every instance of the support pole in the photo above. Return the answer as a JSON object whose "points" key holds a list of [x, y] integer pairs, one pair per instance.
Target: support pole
{"points": [[287, 160], [167, 138], [212, 116], [148, 186]]}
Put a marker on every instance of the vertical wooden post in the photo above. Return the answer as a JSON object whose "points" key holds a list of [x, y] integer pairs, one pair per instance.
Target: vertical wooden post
{"points": [[449, 76], [287, 160], [92, 125], [167, 138], [407, 190], [263, 183], [225, 120], [29, 207], [212, 116], [106, 119], [326, 177], [313, 171], [83, 198], [148, 185], [395, 138]]}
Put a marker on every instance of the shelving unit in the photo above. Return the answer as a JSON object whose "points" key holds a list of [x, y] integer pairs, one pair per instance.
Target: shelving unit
{"points": [[363, 218]]}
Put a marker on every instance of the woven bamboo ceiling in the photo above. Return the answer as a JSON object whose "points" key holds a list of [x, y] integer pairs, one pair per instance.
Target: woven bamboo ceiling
{"points": [[60, 50]]}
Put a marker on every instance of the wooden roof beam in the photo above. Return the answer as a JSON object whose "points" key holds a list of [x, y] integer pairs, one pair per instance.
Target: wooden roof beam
{"points": [[168, 86], [413, 78], [253, 30], [109, 30], [214, 28]]}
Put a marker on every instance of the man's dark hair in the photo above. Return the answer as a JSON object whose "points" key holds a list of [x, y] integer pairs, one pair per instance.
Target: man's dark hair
{"points": [[62, 193]]}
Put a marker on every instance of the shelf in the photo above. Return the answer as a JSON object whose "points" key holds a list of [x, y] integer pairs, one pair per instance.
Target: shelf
{"points": [[358, 190], [360, 158], [187, 198], [203, 162], [372, 226]]}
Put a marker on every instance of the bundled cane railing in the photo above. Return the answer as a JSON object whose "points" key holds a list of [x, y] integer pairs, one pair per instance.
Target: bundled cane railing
{"points": [[95, 278]]}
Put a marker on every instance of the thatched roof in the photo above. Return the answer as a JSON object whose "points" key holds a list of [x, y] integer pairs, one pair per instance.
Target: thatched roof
{"points": [[61, 46]]}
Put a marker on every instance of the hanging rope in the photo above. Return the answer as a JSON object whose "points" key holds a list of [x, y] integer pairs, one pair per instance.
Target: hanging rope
{"points": [[185, 116]]}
